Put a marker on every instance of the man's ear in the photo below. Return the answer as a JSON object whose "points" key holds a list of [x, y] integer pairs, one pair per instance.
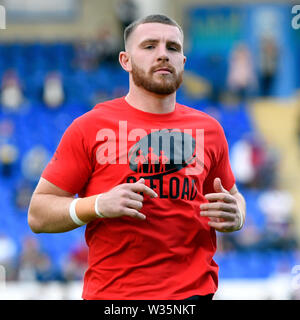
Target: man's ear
{"points": [[125, 61]]}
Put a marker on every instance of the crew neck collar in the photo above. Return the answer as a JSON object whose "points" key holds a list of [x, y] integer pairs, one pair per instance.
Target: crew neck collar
{"points": [[150, 115]]}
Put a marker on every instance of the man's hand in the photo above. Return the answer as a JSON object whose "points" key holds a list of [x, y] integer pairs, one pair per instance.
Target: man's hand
{"points": [[223, 209], [125, 200]]}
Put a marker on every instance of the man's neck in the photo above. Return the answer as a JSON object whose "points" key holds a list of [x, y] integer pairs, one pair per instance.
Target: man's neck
{"points": [[151, 102]]}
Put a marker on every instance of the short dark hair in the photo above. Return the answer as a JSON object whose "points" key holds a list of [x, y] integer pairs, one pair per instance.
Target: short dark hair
{"points": [[153, 18]]}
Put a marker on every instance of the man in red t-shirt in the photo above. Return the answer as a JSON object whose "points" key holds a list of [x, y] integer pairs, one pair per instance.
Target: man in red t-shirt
{"points": [[150, 223]]}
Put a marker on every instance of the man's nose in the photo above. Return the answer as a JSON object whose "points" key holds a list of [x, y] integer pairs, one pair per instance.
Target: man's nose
{"points": [[162, 54], [163, 58]]}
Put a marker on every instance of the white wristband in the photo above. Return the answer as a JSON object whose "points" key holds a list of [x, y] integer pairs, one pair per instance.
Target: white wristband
{"points": [[73, 214], [98, 213]]}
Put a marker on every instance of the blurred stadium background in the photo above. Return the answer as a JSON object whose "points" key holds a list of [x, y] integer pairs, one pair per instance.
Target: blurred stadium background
{"points": [[59, 58]]}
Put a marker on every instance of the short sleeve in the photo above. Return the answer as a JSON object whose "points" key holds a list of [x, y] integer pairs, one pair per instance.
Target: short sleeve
{"points": [[70, 166], [221, 167]]}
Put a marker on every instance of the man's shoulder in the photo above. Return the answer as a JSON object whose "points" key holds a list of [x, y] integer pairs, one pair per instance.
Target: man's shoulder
{"points": [[111, 104], [99, 110]]}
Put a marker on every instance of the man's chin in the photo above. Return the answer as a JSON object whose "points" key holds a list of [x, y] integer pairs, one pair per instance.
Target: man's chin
{"points": [[160, 84], [163, 88]]}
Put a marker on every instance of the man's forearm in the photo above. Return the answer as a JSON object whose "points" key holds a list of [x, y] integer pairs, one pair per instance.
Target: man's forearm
{"points": [[50, 213], [49, 210]]}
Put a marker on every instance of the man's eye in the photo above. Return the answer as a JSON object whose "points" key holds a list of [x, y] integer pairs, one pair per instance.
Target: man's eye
{"points": [[173, 48], [149, 47]]}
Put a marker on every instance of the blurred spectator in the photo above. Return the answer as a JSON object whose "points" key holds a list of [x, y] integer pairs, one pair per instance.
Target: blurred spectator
{"points": [[279, 236], [11, 91], [34, 162], [253, 163], [241, 162], [7, 128], [250, 238], [268, 64], [86, 57], [45, 270], [53, 90], [8, 157], [215, 64], [76, 263], [8, 150], [28, 259], [90, 54], [23, 194], [8, 256], [225, 243], [276, 204], [241, 78], [265, 160], [34, 264], [107, 47], [126, 12]]}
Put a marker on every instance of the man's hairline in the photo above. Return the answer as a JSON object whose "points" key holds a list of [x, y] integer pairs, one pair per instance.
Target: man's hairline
{"points": [[167, 24]]}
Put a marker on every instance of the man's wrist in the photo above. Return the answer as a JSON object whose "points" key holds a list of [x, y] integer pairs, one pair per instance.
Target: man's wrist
{"points": [[87, 209], [73, 213], [98, 213]]}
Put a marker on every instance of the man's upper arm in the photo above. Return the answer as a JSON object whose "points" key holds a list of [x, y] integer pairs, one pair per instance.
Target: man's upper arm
{"points": [[46, 187], [71, 165]]}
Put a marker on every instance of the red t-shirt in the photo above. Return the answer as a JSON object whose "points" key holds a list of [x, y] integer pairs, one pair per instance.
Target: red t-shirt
{"points": [[170, 254]]}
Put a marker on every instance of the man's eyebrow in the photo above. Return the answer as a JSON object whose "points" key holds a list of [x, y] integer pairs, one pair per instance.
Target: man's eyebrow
{"points": [[174, 43], [155, 41], [146, 41]]}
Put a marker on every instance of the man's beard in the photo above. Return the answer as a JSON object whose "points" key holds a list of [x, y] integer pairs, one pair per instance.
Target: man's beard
{"points": [[167, 84]]}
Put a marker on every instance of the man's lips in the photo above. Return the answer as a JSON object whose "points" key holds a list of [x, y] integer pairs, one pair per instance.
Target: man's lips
{"points": [[163, 70]]}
